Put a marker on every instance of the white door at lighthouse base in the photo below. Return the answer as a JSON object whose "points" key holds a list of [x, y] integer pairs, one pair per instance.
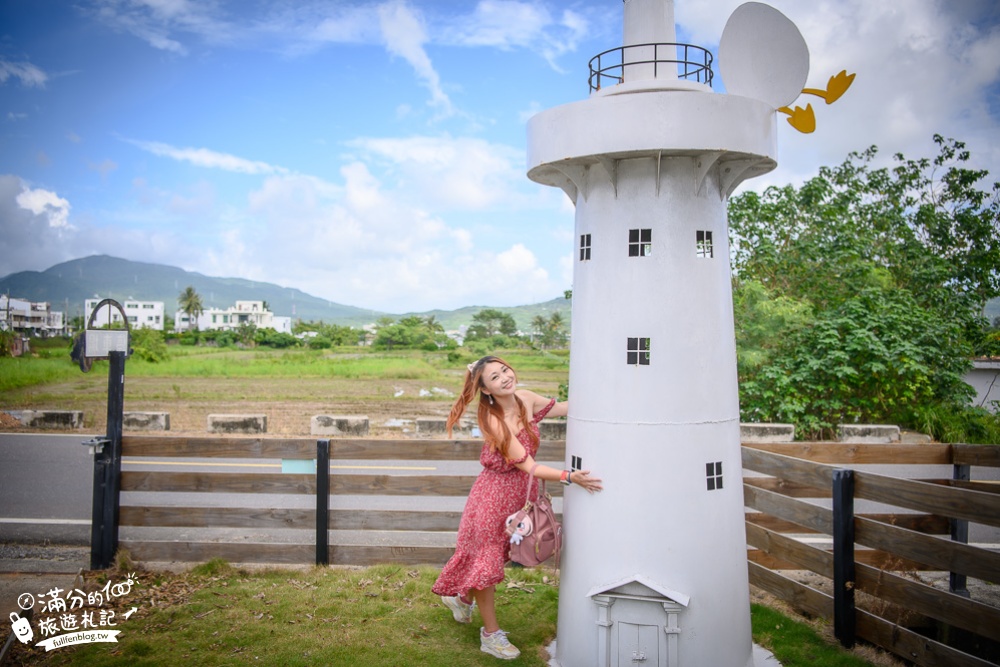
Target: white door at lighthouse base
{"points": [[638, 626], [637, 644]]}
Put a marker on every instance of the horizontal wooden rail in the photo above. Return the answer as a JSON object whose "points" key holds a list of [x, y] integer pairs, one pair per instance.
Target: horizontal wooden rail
{"points": [[911, 645], [976, 455], [909, 545], [813, 517], [935, 552], [965, 504], [216, 517], [976, 506], [787, 488], [918, 597], [218, 482], [912, 595], [787, 468], [800, 596], [854, 454], [218, 447], [304, 448]]}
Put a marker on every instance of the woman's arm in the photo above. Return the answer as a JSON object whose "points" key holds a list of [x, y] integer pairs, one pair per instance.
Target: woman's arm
{"points": [[536, 403], [550, 474]]}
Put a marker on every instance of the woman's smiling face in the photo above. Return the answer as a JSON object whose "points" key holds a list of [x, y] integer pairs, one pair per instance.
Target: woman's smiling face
{"points": [[498, 379]]}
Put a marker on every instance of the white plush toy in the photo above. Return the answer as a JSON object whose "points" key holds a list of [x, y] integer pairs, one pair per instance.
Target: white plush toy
{"points": [[518, 526]]}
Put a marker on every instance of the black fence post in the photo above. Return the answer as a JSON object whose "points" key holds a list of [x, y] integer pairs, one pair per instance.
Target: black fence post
{"points": [[844, 619], [116, 418], [106, 504], [957, 583], [322, 502], [101, 454]]}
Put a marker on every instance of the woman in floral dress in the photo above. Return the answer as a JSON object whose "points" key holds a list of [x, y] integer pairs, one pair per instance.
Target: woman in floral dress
{"points": [[508, 418]]}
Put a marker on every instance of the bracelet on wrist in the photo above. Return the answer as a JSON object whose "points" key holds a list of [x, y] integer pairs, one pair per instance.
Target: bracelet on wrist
{"points": [[565, 478]]}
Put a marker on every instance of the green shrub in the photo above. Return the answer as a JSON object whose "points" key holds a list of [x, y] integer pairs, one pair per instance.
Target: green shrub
{"points": [[149, 345]]}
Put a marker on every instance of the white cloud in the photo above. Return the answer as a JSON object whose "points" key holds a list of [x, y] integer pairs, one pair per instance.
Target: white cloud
{"points": [[161, 23], [508, 24], [34, 227], [360, 242], [452, 173], [45, 204], [29, 75], [405, 34], [204, 157]]}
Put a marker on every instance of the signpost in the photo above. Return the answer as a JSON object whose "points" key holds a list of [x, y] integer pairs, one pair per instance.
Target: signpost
{"points": [[113, 345]]}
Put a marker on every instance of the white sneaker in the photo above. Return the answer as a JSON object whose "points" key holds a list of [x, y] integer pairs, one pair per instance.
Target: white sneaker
{"points": [[460, 610], [497, 645]]}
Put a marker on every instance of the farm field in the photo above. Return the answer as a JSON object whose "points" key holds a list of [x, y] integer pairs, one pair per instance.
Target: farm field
{"points": [[289, 386]]}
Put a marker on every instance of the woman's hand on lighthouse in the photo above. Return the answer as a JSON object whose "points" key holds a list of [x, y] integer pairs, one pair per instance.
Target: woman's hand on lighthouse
{"points": [[583, 479]]}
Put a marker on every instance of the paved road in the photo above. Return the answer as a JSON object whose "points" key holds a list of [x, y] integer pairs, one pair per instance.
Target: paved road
{"points": [[46, 487]]}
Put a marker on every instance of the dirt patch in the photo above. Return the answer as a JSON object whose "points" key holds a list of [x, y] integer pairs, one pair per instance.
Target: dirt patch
{"points": [[391, 405], [9, 422]]}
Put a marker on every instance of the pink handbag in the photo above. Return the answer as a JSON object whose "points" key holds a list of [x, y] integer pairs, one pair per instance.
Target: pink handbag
{"points": [[535, 534]]}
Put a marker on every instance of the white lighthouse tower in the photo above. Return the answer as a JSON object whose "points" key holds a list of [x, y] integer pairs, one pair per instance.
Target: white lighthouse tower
{"points": [[654, 570]]}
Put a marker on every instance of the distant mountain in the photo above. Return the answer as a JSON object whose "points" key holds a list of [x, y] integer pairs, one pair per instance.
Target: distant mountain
{"points": [[67, 285]]}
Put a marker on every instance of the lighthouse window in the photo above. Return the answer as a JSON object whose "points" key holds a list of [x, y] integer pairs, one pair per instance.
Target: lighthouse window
{"points": [[640, 242], [576, 463], [714, 473], [703, 244], [638, 351], [584, 247]]}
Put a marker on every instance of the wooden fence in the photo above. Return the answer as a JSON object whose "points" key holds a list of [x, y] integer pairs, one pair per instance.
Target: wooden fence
{"points": [[870, 554], [360, 535]]}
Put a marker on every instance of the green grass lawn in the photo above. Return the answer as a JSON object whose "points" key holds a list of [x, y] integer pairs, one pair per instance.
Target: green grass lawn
{"points": [[217, 615]]}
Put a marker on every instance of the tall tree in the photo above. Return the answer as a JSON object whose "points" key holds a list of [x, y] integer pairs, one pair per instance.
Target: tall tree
{"points": [[190, 304], [538, 326], [859, 295], [489, 322]]}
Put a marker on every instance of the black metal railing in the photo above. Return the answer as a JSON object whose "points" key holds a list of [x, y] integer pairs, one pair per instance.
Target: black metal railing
{"points": [[687, 61]]}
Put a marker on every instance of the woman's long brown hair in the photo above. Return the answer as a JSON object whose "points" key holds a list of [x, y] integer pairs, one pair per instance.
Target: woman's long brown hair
{"points": [[499, 441]]}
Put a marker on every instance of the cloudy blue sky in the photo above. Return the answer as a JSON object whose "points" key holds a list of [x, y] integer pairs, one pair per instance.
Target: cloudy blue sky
{"points": [[372, 153]]}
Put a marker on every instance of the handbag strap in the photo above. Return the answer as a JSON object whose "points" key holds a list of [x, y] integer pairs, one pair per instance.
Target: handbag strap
{"points": [[527, 493]]}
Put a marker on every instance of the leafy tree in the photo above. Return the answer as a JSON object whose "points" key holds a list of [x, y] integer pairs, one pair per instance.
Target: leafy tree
{"points": [[246, 333], [551, 331], [538, 326], [191, 304], [271, 338], [490, 322], [859, 296], [149, 345], [412, 331]]}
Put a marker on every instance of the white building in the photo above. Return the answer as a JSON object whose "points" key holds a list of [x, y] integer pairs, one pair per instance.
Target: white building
{"points": [[984, 378], [230, 319], [654, 568], [140, 314], [34, 318]]}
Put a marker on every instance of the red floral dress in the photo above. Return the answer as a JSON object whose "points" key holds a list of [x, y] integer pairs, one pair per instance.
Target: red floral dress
{"points": [[483, 547]]}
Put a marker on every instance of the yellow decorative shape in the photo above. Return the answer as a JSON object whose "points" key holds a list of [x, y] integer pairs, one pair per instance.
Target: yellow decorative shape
{"points": [[803, 120], [835, 87]]}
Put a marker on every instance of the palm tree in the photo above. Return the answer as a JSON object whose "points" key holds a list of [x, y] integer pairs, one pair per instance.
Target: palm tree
{"points": [[538, 326], [190, 303]]}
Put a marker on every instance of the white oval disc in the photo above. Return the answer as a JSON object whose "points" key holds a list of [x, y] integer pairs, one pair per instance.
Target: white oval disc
{"points": [[762, 55]]}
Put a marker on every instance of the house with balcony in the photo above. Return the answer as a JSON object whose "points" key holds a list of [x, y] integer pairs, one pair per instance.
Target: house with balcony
{"points": [[30, 318], [232, 318]]}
